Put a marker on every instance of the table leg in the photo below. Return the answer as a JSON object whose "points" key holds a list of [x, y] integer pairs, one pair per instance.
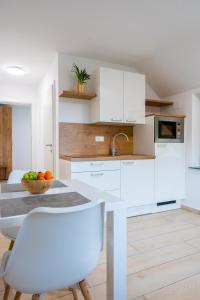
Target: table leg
{"points": [[116, 254]]}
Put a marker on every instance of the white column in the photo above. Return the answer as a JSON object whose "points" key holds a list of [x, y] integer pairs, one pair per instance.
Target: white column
{"points": [[116, 253]]}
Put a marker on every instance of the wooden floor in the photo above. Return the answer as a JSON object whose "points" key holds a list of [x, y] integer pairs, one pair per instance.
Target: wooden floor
{"points": [[163, 259]]}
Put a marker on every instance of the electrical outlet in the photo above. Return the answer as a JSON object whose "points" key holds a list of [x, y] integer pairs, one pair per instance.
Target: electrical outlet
{"points": [[99, 138]]}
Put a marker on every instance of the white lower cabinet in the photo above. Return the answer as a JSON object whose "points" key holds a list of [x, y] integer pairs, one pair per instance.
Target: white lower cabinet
{"points": [[104, 180], [169, 172], [130, 180], [104, 175], [137, 182]]}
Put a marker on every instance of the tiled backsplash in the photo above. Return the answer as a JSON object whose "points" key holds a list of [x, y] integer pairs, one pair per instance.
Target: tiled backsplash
{"points": [[79, 139]]}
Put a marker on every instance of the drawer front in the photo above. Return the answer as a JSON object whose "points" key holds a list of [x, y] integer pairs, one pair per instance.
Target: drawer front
{"points": [[103, 180], [87, 166]]}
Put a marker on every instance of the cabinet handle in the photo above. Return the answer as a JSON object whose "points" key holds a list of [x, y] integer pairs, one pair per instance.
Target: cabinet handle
{"points": [[116, 120], [128, 163], [96, 174], [131, 121], [96, 164]]}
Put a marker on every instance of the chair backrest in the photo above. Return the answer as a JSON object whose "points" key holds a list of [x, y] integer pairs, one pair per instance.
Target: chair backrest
{"points": [[56, 248], [16, 176]]}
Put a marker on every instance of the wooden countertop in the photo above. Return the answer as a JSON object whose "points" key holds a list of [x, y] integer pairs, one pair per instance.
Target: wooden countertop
{"points": [[165, 115], [106, 157]]}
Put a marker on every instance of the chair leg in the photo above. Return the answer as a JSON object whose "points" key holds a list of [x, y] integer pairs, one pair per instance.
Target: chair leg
{"points": [[74, 293], [11, 245], [17, 296], [6, 292], [85, 290]]}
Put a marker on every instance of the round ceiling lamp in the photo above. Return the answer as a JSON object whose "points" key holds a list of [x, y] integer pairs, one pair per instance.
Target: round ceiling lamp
{"points": [[15, 70]]}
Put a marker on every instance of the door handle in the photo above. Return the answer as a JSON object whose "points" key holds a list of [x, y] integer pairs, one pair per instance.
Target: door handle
{"points": [[96, 174], [49, 145], [96, 164], [131, 121], [116, 120], [128, 163]]}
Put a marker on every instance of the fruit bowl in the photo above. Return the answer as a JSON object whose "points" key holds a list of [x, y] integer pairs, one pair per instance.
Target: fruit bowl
{"points": [[37, 186], [37, 182]]}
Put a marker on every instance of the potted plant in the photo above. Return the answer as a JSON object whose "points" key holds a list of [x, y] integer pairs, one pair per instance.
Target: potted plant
{"points": [[81, 76]]}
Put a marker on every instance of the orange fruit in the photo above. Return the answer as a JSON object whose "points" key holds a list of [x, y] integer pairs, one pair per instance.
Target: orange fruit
{"points": [[48, 175], [41, 176]]}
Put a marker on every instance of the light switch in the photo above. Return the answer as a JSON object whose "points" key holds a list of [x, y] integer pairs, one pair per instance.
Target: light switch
{"points": [[99, 138]]}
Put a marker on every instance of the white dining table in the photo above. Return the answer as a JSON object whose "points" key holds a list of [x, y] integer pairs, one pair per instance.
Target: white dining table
{"points": [[116, 227]]}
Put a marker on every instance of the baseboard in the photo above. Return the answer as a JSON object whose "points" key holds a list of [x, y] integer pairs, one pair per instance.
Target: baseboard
{"points": [[140, 210], [153, 208], [191, 209]]}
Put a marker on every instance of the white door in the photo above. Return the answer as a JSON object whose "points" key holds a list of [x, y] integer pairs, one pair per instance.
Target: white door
{"points": [[137, 182], [134, 98], [111, 95], [48, 129], [169, 171]]}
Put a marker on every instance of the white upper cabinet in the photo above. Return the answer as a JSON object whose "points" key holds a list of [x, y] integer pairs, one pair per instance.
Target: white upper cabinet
{"points": [[134, 98], [111, 95], [121, 97]]}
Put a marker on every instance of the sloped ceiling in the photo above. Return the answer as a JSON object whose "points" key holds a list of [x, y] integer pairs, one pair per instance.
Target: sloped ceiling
{"points": [[159, 37], [174, 69]]}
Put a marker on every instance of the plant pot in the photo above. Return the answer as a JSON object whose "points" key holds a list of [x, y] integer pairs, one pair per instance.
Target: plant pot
{"points": [[80, 87]]}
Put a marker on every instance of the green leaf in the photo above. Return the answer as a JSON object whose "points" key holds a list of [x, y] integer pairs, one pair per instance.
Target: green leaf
{"points": [[81, 74]]}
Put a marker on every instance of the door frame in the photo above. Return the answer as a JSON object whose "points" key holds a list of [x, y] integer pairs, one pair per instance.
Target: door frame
{"points": [[19, 103], [54, 126]]}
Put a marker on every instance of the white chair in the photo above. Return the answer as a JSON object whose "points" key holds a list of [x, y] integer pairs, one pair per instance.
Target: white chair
{"points": [[15, 176], [55, 248], [11, 233]]}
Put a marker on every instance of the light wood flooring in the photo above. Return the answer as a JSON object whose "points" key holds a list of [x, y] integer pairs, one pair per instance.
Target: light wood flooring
{"points": [[163, 260]]}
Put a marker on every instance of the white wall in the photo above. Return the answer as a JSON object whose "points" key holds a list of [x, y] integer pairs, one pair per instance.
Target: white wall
{"points": [[183, 105], [195, 130], [193, 175], [50, 77], [21, 137], [11, 93], [79, 111], [192, 189]]}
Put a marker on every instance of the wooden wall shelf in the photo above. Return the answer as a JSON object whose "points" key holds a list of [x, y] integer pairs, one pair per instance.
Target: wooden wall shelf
{"points": [[158, 103], [76, 95]]}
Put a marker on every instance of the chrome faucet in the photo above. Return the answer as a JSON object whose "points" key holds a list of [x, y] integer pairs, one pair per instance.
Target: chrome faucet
{"points": [[114, 149]]}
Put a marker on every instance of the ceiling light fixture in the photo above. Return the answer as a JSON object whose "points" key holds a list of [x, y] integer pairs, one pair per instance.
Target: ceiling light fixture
{"points": [[14, 70]]}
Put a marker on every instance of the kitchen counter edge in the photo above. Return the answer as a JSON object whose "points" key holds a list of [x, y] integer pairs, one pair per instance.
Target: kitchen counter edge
{"points": [[109, 157]]}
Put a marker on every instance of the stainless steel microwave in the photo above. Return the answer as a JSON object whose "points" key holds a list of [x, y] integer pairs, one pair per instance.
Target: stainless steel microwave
{"points": [[168, 129]]}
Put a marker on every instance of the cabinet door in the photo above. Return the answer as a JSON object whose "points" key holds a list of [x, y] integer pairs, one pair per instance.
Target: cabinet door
{"points": [[134, 98], [99, 165], [137, 182], [103, 180], [5, 141], [111, 95], [169, 171]]}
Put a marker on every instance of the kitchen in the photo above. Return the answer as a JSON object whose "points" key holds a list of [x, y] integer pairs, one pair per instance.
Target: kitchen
{"points": [[149, 150]]}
